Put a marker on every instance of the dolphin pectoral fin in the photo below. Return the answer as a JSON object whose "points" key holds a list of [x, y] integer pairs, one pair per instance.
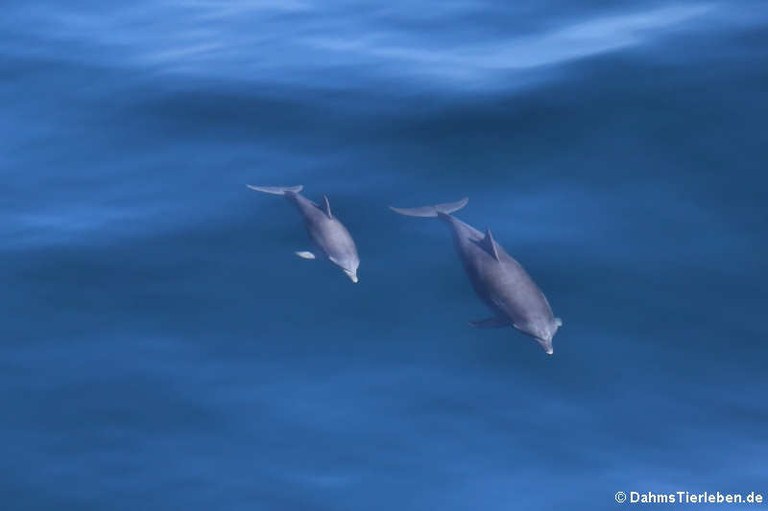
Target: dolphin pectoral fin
{"points": [[305, 255], [326, 207], [490, 323], [558, 322]]}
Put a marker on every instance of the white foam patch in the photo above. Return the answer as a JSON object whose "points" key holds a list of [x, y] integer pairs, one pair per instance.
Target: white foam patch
{"points": [[270, 41], [69, 225], [573, 41]]}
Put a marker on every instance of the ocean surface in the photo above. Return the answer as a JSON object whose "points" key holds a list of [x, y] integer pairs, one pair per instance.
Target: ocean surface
{"points": [[163, 349]]}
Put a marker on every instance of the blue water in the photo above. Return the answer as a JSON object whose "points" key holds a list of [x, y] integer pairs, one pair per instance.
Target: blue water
{"points": [[162, 348]]}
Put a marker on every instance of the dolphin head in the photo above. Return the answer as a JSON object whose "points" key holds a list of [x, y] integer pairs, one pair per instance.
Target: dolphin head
{"points": [[352, 274], [546, 343], [545, 333], [349, 266]]}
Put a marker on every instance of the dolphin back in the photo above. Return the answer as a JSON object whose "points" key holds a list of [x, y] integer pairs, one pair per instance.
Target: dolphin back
{"points": [[432, 211], [277, 190]]}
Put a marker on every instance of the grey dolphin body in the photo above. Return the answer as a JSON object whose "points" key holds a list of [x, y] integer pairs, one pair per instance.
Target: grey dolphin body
{"points": [[328, 234], [500, 282]]}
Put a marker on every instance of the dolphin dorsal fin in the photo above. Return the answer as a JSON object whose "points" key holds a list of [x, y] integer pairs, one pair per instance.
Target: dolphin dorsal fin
{"points": [[489, 244], [326, 206]]}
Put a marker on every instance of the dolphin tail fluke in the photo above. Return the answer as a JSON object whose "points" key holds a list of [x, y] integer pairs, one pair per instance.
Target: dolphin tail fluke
{"points": [[432, 211], [277, 190]]}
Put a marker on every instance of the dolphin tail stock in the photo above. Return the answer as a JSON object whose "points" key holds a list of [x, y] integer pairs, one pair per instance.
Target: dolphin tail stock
{"points": [[432, 211], [277, 190]]}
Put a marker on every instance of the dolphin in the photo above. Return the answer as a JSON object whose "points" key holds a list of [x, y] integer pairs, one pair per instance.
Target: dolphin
{"points": [[328, 234], [500, 282]]}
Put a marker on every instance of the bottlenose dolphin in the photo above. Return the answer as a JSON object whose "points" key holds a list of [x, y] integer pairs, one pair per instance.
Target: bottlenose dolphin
{"points": [[327, 233], [500, 282]]}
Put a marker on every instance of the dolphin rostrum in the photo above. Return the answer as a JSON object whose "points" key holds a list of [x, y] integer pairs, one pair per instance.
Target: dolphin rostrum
{"points": [[326, 231], [500, 282]]}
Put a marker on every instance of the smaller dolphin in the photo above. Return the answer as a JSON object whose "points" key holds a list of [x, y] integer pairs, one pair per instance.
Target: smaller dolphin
{"points": [[497, 278], [327, 233]]}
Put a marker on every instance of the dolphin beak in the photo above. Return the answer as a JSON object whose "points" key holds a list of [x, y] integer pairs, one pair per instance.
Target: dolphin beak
{"points": [[547, 345], [352, 276]]}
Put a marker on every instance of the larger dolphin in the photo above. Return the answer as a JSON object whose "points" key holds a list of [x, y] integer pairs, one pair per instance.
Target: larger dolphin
{"points": [[498, 279], [328, 234]]}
